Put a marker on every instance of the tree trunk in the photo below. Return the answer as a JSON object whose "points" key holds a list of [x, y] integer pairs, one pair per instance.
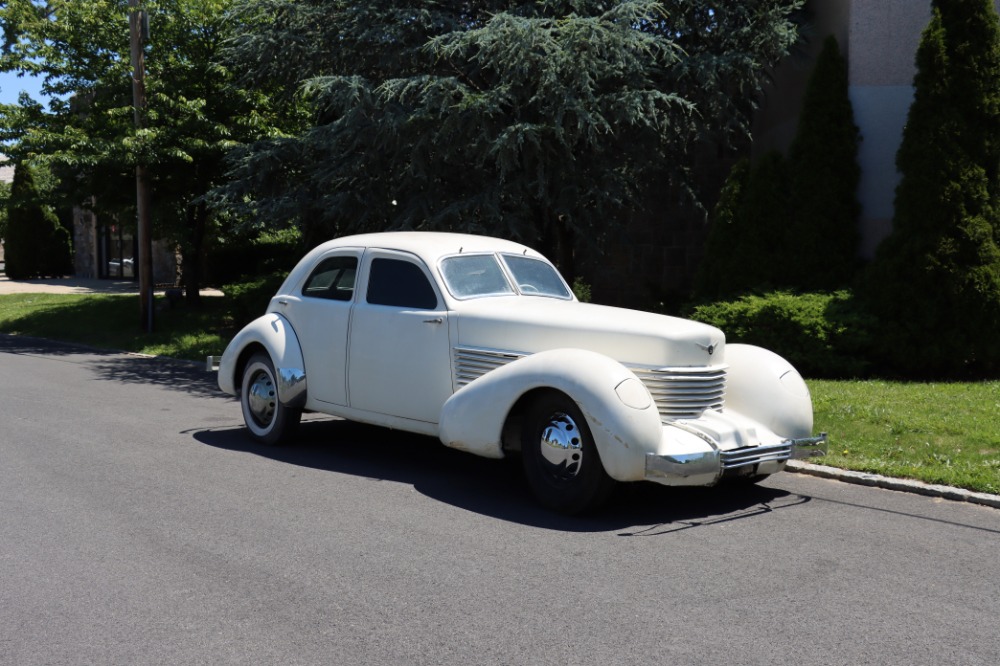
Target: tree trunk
{"points": [[191, 254]]}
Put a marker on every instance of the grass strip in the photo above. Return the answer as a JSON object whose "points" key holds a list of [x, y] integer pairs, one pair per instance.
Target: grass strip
{"points": [[112, 322], [942, 433]]}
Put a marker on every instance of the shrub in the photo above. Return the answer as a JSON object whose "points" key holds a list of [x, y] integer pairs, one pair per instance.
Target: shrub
{"points": [[821, 334], [237, 258], [36, 245], [248, 300]]}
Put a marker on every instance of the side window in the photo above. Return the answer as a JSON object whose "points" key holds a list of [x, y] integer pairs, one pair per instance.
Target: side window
{"points": [[332, 279], [400, 283]]}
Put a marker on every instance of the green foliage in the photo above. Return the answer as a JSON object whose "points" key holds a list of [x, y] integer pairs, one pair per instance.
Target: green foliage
{"points": [[718, 271], [36, 244], [935, 281], [748, 243], [194, 114], [237, 258], [821, 334], [544, 121], [4, 199], [792, 223], [823, 235], [248, 300], [581, 290]]}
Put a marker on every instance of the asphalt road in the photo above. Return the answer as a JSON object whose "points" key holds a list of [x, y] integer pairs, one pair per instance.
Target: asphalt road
{"points": [[139, 526]]}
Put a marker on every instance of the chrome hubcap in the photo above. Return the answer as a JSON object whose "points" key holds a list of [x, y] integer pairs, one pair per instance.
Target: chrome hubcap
{"points": [[261, 398], [562, 446]]}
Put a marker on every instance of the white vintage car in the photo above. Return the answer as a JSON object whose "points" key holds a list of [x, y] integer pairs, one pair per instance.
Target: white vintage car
{"points": [[480, 342]]}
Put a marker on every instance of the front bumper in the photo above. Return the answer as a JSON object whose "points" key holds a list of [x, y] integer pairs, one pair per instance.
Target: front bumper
{"points": [[705, 467]]}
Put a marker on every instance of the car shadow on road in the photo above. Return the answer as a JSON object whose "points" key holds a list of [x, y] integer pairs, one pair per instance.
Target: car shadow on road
{"points": [[496, 488]]}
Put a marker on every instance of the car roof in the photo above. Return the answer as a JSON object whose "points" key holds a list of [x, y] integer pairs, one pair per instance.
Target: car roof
{"points": [[428, 245]]}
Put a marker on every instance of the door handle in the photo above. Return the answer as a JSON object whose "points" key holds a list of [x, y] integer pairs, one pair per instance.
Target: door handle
{"points": [[436, 320]]}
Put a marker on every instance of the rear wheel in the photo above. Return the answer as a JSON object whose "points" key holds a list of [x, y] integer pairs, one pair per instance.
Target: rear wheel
{"points": [[560, 458], [266, 418]]}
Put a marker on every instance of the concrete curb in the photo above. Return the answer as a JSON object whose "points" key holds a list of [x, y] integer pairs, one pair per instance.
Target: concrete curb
{"points": [[889, 483]]}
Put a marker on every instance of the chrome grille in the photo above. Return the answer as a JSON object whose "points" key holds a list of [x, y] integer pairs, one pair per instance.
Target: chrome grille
{"points": [[471, 364], [751, 455], [684, 393], [680, 393]]}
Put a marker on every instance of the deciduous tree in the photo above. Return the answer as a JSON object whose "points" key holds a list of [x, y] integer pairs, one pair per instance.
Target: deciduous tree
{"points": [[86, 133]]}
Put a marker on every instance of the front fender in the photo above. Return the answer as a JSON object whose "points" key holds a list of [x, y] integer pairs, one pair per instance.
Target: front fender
{"points": [[766, 388], [619, 410], [275, 334]]}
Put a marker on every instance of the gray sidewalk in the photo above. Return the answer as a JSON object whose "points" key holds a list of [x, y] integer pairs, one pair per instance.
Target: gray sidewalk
{"points": [[74, 285]]}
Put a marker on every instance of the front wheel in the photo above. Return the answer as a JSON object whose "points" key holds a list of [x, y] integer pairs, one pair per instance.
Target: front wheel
{"points": [[266, 418], [560, 458]]}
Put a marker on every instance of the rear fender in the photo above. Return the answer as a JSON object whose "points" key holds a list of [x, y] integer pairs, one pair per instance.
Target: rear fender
{"points": [[619, 410], [275, 334]]}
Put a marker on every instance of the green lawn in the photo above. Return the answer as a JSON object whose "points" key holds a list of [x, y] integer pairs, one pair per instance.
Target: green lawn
{"points": [[938, 433], [112, 322]]}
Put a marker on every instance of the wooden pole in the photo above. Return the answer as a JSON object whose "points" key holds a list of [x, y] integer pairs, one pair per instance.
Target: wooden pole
{"points": [[144, 224]]}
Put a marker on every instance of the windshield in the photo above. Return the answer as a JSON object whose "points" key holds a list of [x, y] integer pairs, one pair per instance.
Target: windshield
{"points": [[473, 275], [480, 275], [536, 278]]}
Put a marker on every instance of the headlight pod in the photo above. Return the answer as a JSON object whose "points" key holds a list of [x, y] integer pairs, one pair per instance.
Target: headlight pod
{"points": [[633, 394]]}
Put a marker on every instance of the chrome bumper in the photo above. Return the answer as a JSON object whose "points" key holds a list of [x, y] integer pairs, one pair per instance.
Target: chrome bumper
{"points": [[706, 467]]}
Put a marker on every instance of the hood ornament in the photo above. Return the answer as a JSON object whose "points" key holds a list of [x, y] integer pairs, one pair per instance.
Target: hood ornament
{"points": [[709, 348]]}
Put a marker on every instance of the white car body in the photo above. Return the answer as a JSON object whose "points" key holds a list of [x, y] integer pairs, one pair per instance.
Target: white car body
{"points": [[664, 399]]}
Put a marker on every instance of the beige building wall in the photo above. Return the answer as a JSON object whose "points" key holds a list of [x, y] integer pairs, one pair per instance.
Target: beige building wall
{"points": [[879, 39]]}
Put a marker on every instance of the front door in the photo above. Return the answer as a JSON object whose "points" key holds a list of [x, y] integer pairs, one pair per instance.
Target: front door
{"points": [[400, 356], [320, 314]]}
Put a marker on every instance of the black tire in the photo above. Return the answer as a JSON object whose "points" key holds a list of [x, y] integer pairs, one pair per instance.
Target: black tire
{"points": [[267, 420], [560, 458]]}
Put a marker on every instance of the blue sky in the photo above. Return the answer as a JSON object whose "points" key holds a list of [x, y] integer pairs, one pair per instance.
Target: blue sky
{"points": [[11, 87]]}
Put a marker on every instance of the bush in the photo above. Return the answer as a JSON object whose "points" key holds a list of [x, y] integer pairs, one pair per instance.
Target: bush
{"points": [[237, 258], [249, 300], [36, 244], [821, 334]]}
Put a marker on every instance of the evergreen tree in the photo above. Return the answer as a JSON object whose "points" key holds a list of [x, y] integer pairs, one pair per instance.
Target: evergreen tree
{"points": [[539, 120], [823, 236], [935, 282], [36, 245], [718, 272], [749, 247]]}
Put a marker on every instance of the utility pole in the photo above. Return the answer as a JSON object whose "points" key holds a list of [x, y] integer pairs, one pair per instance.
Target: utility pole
{"points": [[138, 33]]}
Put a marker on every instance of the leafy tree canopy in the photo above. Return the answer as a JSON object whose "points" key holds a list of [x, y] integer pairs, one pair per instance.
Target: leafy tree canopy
{"points": [[542, 121], [86, 132]]}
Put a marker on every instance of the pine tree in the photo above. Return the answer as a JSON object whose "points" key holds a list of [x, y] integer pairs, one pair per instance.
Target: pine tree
{"points": [[823, 181], [935, 281]]}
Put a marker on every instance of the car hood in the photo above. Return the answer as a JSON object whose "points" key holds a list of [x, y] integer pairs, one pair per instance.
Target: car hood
{"points": [[530, 324]]}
